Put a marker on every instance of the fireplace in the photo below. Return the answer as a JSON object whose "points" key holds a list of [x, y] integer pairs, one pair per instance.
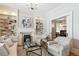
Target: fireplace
{"points": [[27, 38]]}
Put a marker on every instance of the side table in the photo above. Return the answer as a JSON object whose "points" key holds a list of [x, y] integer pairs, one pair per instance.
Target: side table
{"points": [[44, 44]]}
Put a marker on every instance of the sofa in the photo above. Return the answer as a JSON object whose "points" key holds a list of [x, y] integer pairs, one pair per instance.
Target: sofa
{"points": [[8, 46], [60, 46]]}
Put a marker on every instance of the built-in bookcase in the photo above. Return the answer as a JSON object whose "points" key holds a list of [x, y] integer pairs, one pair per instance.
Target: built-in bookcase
{"points": [[39, 26], [7, 24]]}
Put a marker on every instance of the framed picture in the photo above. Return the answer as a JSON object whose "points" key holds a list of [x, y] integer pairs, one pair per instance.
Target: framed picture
{"points": [[27, 23]]}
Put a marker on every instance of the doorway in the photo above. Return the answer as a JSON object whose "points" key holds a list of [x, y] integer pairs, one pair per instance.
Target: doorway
{"points": [[59, 27], [62, 26]]}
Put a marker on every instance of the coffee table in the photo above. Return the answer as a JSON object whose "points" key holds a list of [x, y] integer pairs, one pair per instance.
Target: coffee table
{"points": [[33, 47]]}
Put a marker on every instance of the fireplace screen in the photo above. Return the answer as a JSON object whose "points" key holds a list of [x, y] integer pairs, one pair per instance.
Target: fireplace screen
{"points": [[27, 40]]}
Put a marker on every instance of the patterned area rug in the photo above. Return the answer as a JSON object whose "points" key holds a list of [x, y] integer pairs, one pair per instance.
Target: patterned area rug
{"points": [[22, 52]]}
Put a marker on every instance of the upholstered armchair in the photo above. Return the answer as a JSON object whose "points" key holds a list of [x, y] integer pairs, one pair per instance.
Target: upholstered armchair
{"points": [[60, 46]]}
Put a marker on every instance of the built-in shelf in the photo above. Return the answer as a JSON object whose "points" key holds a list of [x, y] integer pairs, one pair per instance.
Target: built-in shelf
{"points": [[7, 24]]}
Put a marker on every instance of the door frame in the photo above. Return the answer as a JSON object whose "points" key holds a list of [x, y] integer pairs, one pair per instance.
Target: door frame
{"points": [[70, 22]]}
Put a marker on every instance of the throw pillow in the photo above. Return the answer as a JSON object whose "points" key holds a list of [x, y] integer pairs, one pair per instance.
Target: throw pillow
{"points": [[8, 42]]}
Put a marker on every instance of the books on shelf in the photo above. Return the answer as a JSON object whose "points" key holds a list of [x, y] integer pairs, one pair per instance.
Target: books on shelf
{"points": [[7, 23]]}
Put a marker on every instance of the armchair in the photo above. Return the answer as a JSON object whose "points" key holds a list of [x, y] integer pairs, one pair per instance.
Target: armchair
{"points": [[60, 46]]}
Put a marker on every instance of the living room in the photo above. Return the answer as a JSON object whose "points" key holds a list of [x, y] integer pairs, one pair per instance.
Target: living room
{"points": [[43, 29]]}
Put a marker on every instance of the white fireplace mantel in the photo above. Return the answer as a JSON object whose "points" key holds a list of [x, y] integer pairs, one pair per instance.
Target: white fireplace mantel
{"points": [[27, 30]]}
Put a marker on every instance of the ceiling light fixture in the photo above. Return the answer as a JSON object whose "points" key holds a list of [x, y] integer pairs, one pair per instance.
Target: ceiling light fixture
{"points": [[32, 6]]}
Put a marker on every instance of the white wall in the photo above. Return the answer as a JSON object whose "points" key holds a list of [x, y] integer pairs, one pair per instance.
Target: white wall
{"points": [[64, 8], [25, 15]]}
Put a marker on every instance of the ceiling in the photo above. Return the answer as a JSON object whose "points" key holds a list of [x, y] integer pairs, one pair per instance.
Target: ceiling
{"points": [[43, 8]]}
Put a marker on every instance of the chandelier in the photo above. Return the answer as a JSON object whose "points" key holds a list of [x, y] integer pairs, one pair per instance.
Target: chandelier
{"points": [[32, 9], [32, 6]]}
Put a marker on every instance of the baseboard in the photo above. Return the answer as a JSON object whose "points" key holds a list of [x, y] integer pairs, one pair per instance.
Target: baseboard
{"points": [[75, 51]]}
